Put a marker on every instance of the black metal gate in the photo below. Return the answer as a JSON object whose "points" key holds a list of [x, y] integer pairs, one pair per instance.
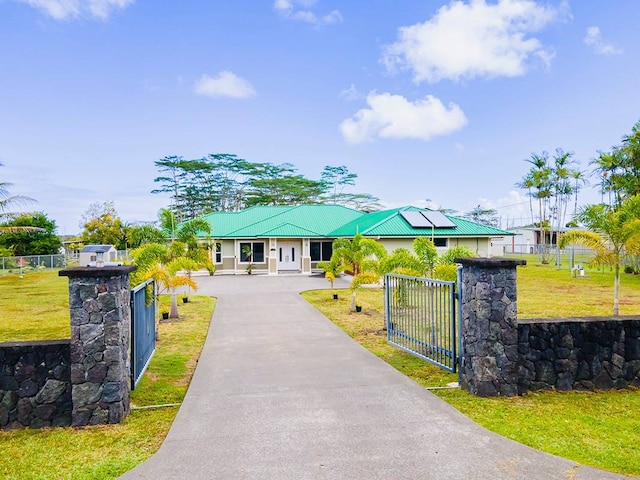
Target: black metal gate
{"points": [[143, 329], [421, 318]]}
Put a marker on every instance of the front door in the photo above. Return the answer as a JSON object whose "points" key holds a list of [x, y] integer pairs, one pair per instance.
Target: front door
{"points": [[288, 256]]}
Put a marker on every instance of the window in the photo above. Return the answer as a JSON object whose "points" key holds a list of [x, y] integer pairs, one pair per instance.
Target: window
{"points": [[218, 252], [257, 252], [321, 251], [440, 242]]}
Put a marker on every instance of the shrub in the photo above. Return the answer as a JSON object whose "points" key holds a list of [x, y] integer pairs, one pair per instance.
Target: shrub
{"points": [[446, 271]]}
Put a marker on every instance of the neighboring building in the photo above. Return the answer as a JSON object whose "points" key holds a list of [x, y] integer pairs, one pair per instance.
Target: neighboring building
{"points": [[88, 255], [295, 238], [527, 239]]}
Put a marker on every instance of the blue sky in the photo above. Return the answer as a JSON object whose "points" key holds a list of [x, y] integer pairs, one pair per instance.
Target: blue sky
{"points": [[424, 100]]}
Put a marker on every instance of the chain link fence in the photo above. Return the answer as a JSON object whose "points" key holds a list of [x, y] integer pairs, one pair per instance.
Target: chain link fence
{"points": [[571, 258], [31, 263]]}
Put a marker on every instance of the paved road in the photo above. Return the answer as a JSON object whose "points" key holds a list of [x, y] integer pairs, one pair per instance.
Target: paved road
{"points": [[281, 393]]}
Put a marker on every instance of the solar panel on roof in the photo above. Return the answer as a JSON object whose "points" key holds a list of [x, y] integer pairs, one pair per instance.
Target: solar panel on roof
{"points": [[438, 219], [415, 219]]}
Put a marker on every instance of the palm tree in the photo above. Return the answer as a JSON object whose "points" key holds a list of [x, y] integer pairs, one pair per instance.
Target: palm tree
{"points": [[612, 233], [561, 184], [527, 184], [188, 234], [332, 269], [538, 182], [427, 253], [609, 167], [164, 264], [579, 181], [354, 253]]}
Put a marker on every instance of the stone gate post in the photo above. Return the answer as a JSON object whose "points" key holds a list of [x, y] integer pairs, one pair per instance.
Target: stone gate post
{"points": [[99, 302], [489, 333]]}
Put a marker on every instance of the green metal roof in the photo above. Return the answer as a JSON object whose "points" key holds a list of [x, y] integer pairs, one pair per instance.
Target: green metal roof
{"points": [[390, 223], [290, 221], [289, 230], [322, 221]]}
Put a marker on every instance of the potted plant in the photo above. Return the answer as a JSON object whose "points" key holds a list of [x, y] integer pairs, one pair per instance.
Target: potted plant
{"points": [[165, 314], [185, 298], [365, 278]]}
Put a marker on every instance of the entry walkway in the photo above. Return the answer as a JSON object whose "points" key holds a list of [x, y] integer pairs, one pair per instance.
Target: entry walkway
{"points": [[281, 393]]}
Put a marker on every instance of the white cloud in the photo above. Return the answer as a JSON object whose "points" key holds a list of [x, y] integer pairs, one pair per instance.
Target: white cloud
{"points": [[466, 40], [351, 93], [393, 116], [595, 41], [300, 11], [225, 84], [64, 9]]}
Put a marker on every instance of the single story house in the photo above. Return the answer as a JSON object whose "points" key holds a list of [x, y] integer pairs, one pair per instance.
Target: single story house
{"points": [[527, 239], [89, 254], [280, 239]]}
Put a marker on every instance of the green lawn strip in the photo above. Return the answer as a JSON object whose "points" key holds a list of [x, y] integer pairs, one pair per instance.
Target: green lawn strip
{"points": [[105, 452], [546, 292], [598, 429], [34, 307]]}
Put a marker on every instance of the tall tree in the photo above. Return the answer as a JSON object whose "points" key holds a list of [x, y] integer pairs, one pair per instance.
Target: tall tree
{"points": [[484, 216], [579, 180], [562, 186], [619, 169], [101, 225], [612, 233], [231, 180], [539, 177], [171, 179], [609, 168], [551, 183], [335, 179], [30, 234], [364, 202], [279, 185], [224, 182]]}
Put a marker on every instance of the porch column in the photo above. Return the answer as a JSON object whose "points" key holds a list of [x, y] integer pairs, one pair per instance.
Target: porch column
{"points": [[272, 255], [306, 256]]}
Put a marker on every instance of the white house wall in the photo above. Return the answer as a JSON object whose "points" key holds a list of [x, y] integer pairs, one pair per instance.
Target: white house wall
{"points": [[479, 245]]}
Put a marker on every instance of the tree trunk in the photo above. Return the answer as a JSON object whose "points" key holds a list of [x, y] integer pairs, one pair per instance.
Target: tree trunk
{"points": [[353, 301], [174, 305]]}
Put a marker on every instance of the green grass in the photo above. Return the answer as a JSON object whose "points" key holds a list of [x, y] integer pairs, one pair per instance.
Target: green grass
{"points": [[598, 429], [34, 307], [546, 292], [108, 451]]}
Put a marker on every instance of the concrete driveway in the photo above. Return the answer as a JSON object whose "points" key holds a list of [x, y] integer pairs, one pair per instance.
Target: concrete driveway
{"points": [[281, 393]]}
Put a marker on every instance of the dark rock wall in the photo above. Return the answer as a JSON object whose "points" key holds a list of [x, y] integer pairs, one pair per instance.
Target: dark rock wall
{"points": [[35, 384], [579, 355]]}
